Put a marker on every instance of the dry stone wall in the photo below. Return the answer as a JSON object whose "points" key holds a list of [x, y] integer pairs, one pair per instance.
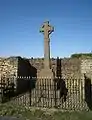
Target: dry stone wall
{"points": [[86, 70], [69, 67], [86, 65], [8, 67], [12, 67]]}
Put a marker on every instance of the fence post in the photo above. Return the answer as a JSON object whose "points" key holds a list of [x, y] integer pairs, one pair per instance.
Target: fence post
{"points": [[30, 92], [55, 88], [1, 88], [82, 90]]}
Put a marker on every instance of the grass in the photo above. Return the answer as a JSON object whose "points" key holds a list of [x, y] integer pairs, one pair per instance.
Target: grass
{"points": [[27, 113]]}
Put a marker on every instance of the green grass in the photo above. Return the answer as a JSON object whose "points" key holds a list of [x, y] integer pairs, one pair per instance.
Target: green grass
{"points": [[27, 113]]}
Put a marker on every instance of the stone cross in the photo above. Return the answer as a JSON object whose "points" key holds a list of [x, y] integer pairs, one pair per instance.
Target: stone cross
{"points": [[46, 29]]}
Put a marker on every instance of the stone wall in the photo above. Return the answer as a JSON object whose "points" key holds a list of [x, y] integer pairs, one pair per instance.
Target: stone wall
{"points": [[25, 68], [16, 66], [86, 73], [86, 65], [8, 66], [86, 69], [69, 67]]}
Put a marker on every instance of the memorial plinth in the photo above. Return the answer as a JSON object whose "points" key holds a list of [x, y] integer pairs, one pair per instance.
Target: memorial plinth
{"points": [[46, 73]]}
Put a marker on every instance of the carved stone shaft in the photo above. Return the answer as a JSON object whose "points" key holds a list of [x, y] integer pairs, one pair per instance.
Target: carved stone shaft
{"points": [[46, 29]]}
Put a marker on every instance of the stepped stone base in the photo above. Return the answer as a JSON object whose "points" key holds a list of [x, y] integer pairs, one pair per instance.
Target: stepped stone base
{"points": [[46, 73]]}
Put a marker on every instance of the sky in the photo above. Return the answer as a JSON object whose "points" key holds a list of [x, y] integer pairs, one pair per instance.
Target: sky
{"points": [[20, 22]]}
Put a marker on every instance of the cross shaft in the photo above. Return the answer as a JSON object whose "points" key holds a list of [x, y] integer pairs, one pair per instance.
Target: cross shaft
{"points": [[46, 29]]}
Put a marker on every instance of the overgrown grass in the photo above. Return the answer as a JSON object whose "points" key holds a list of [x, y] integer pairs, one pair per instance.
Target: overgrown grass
{"points": [[27, 113]]}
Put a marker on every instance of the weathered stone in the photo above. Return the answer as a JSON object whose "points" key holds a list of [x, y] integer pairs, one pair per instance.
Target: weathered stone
{"points": [[46, 29], [70, 67]]}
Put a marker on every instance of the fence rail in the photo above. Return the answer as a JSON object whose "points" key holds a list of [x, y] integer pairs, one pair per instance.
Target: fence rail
{"points": [[60, 93]]}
